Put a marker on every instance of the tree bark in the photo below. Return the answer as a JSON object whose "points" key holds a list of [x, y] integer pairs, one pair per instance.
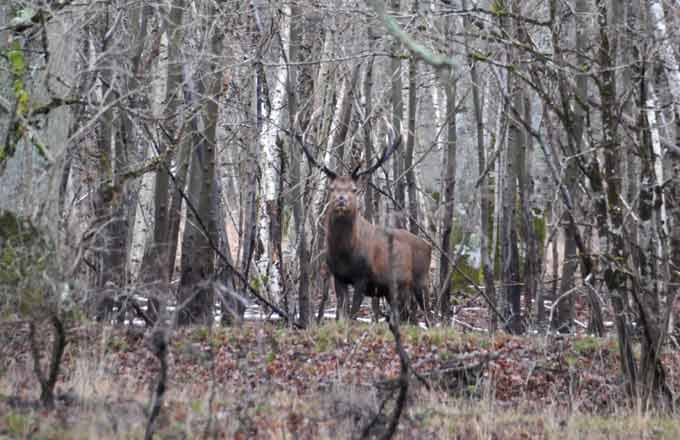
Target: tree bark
{"points": [[158, 263], [486, 193], [297, 183], [608, 202], [196, 290], [508, 239], [397, 118], [448, 192], [411, 140], [108, 208]]}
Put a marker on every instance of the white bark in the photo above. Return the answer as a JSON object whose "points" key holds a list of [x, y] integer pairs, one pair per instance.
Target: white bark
{"points": [[651, 105], [270, 127], [667, 54], [142, 228], [438, 103], [268, 137], [437, 107]]}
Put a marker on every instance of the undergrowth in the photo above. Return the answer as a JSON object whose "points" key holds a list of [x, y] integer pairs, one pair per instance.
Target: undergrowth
{"points": [[326, 382]]}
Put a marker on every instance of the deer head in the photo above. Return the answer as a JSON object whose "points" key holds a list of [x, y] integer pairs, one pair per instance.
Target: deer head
{"points": [[344, 188]]}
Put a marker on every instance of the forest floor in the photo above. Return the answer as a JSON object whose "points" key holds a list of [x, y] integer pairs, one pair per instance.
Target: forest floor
{"points": [[263, 380]]}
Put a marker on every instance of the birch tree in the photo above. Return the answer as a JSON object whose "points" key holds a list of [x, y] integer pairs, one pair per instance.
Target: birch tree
{"points": [[273, 119]]}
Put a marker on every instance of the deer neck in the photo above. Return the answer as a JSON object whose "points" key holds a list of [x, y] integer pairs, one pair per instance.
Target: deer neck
{"points": [[342, 232]]}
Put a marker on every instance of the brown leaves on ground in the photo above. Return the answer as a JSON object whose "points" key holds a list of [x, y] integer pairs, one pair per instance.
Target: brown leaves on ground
{"points": [[269, 381]]}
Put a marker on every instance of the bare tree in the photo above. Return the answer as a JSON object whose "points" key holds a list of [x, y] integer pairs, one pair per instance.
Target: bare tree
{"points": [[297, 183], [485, 189], [449, 81], [196, 290], [397, 118], [159, 255], [510, 159], [411, 139]]}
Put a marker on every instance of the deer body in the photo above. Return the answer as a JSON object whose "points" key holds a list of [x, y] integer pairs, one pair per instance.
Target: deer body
{"points": [[358, 253]]}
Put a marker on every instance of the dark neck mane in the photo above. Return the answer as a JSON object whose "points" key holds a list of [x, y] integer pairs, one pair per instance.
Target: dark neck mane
{"points": [[341, 231]]}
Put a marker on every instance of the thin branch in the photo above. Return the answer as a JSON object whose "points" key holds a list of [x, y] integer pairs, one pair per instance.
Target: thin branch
{"points": [[214, 246]]}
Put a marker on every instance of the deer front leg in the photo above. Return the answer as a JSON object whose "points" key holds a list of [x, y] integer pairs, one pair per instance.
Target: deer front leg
{"points": [[342, 300], [375, 305], [360, 291], [420, 295]]}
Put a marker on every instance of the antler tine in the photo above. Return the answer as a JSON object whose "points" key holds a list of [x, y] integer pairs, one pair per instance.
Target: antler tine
{"points": [[386, 155], [311, 159]]}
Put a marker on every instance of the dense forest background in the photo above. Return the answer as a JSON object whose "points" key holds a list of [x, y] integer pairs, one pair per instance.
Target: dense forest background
{"points": [[151, 175]]}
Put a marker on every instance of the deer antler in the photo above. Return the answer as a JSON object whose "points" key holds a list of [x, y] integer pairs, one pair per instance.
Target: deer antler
{"points": [[313, 161], [387, 152]]}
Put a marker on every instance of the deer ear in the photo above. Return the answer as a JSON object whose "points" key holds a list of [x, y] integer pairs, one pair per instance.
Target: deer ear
{"points": [[361, 180]]}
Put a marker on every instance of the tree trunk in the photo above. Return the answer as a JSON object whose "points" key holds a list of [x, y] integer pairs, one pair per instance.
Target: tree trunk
{"points": [[111, 258], [269, 224], [670, 61], [397, 118], [296, 29], [486, 193], [574, 127], [411, 140], [196, 290], [507, 235], [532, 247], [158, 263], [650, 286], [448, 192], [371, 208], [608, 202]]}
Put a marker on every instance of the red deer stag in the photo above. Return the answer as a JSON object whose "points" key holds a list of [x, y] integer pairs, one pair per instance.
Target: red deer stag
{"points": [[357, 251]]}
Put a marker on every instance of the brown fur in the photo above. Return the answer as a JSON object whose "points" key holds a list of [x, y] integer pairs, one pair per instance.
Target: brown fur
{"points": [[357, 253]]}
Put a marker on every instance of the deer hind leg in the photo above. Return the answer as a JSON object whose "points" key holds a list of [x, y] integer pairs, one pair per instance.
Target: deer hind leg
{"points": [[392, 301], [404, 297], [411, 298]]}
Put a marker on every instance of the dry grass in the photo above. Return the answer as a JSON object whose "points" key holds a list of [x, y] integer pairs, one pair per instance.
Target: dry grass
{"points": [[275, 383]]}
